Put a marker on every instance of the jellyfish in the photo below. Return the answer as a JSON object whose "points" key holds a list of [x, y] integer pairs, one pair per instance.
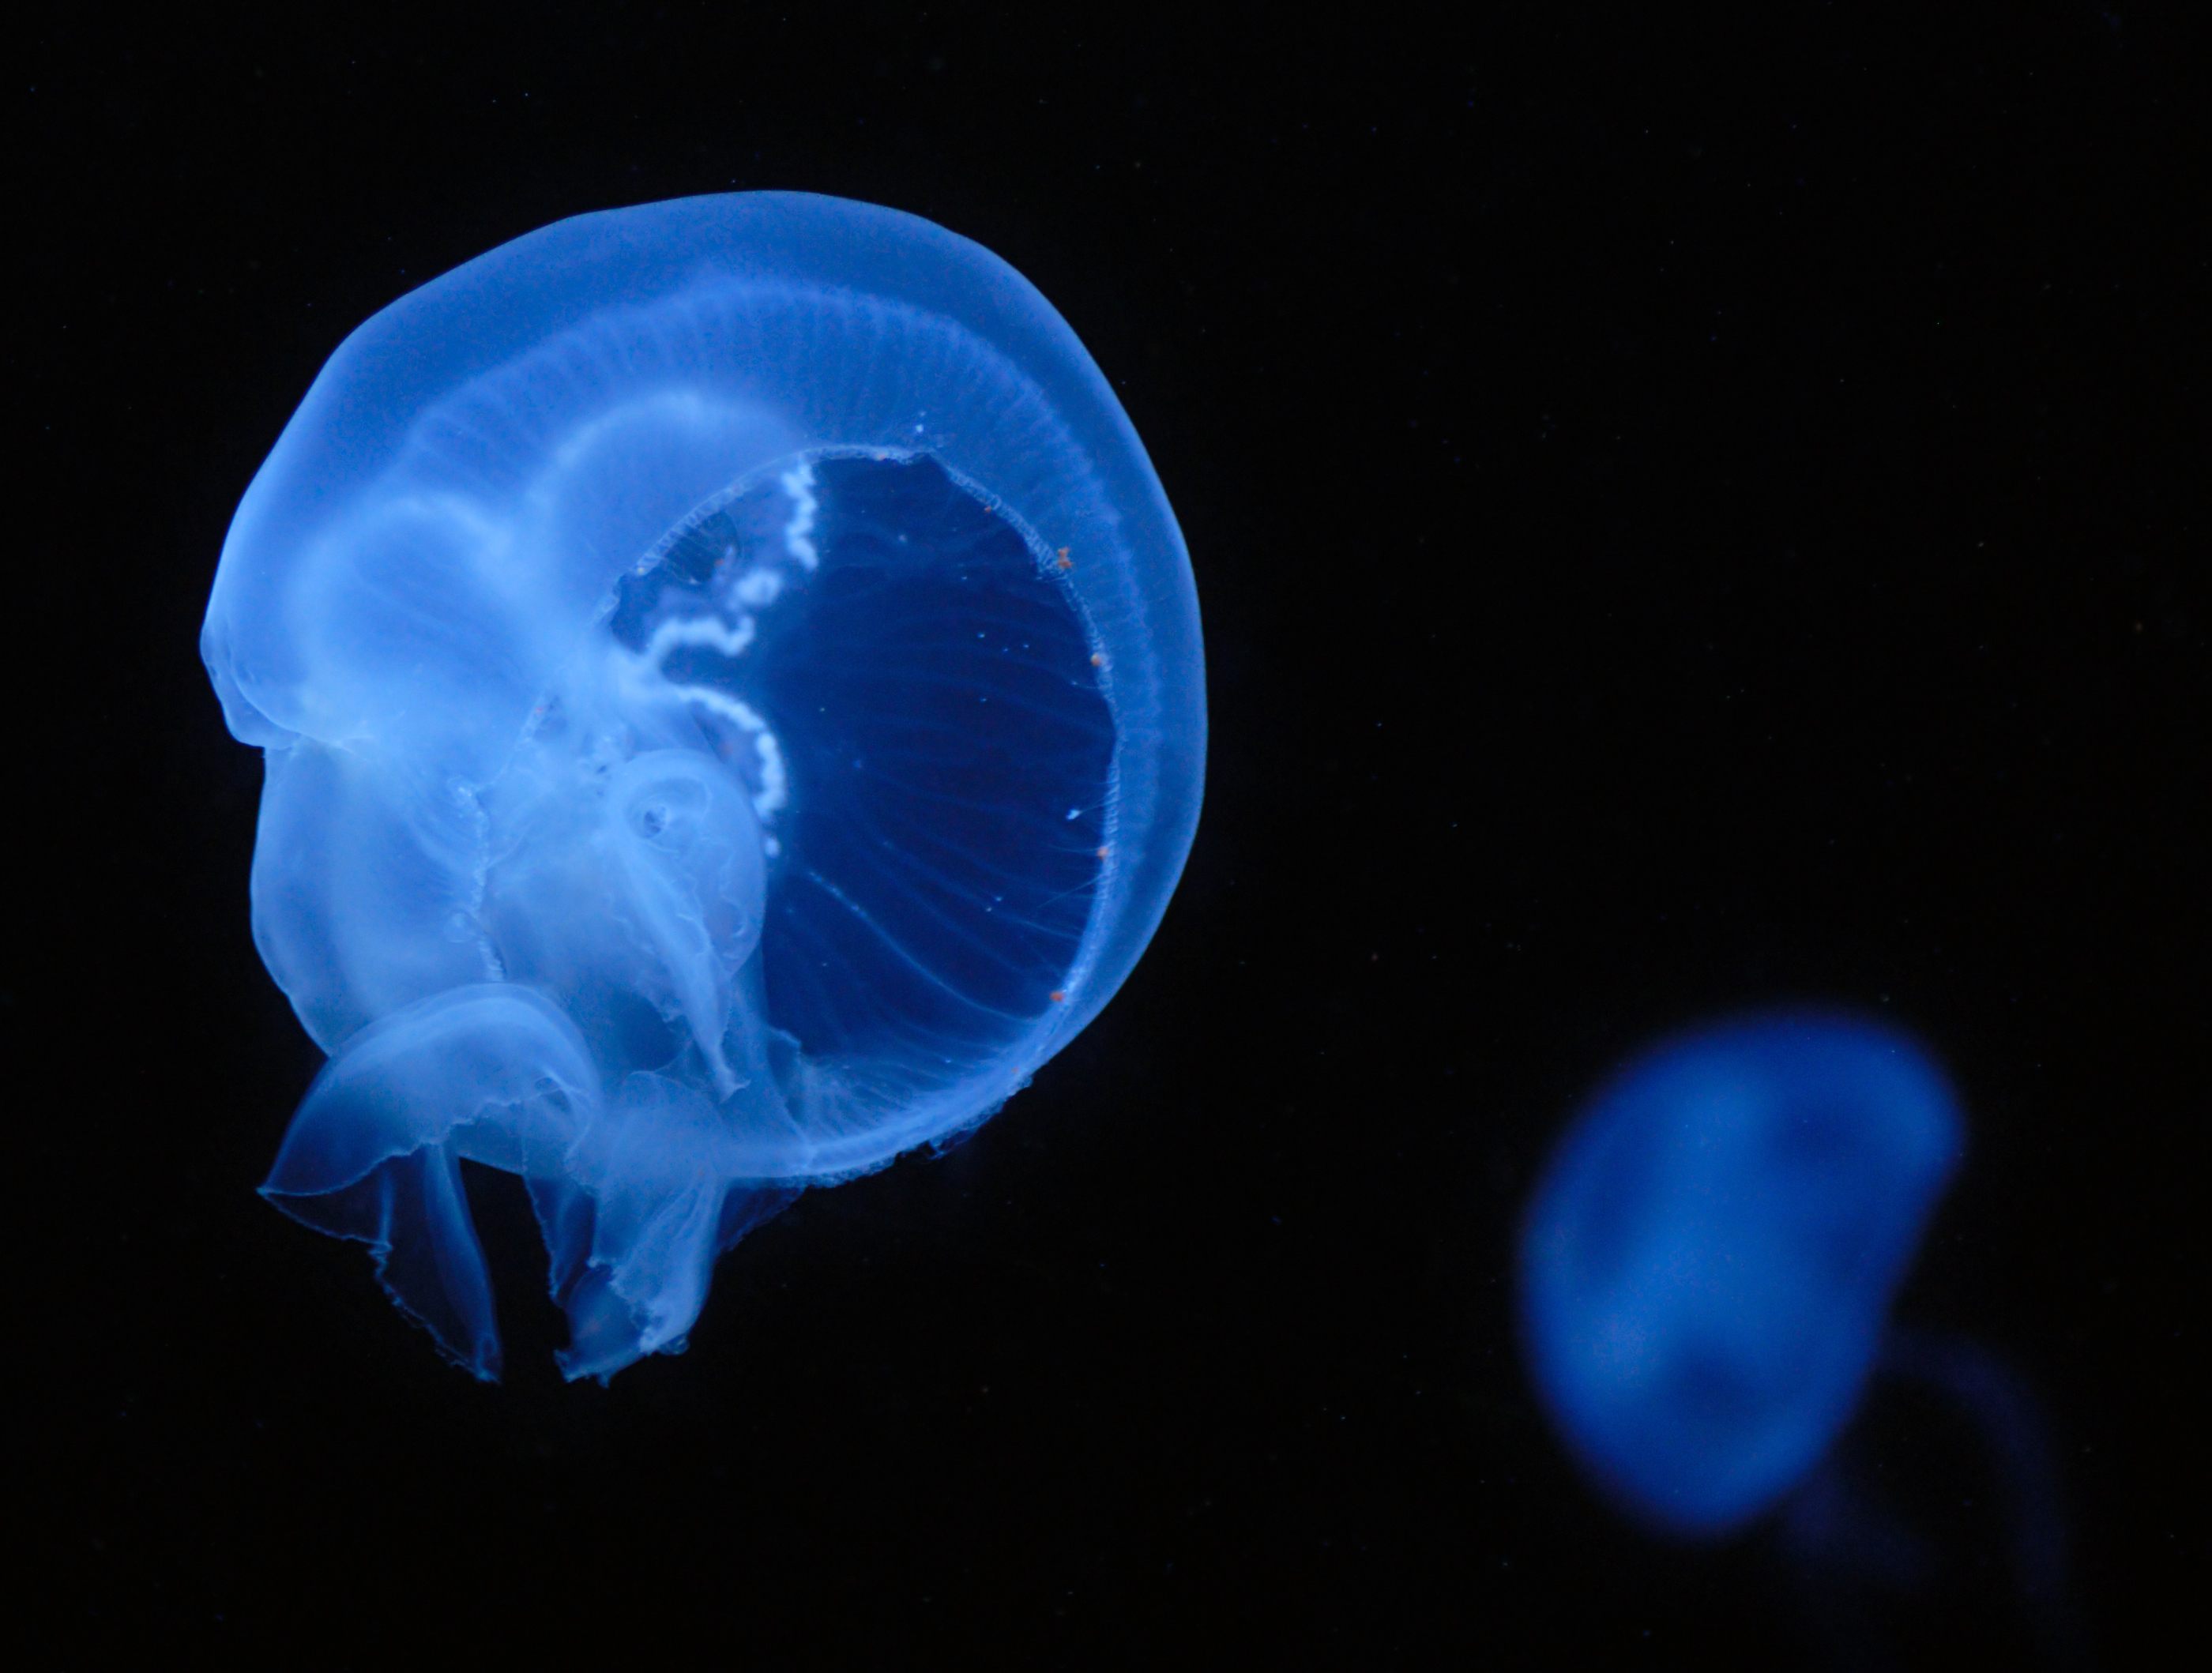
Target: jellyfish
{"points": [[732, 696], [1708, 1267]]}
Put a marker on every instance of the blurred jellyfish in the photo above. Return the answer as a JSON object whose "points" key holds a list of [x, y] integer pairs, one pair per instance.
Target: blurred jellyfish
{"points": [[1706, 1273], [731, 692]]}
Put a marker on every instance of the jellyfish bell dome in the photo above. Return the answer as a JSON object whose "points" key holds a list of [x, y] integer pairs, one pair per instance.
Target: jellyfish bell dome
{"points": [[732, 696], [1709, 1260]]}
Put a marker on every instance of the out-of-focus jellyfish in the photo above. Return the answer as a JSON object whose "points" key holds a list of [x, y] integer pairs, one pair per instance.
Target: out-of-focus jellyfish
{"points": [[1708, 1264], [1706, 1274], [732, 690]]}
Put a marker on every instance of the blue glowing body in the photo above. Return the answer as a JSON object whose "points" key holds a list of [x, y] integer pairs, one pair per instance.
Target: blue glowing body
{"points": [[1707, 1265], [733, 697]]}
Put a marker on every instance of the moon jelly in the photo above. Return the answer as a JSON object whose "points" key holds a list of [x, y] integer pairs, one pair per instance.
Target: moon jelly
{"points": [[732, 693], [1707, 1266]]}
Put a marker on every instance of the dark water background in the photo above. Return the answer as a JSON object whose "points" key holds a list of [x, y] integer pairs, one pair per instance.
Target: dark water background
{"points": [[1684, 520]]}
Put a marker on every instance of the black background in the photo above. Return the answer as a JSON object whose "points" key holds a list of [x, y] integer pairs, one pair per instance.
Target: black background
{"points": [[1683, 521]]}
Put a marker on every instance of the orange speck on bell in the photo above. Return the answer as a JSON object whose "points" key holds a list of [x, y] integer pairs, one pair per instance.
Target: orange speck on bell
{"points": [[1059, 996], [1064, 561]]}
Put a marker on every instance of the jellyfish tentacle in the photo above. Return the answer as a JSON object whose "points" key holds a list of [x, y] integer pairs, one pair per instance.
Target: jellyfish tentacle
{"points": [[2016, 1444], [491, 1072]]}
